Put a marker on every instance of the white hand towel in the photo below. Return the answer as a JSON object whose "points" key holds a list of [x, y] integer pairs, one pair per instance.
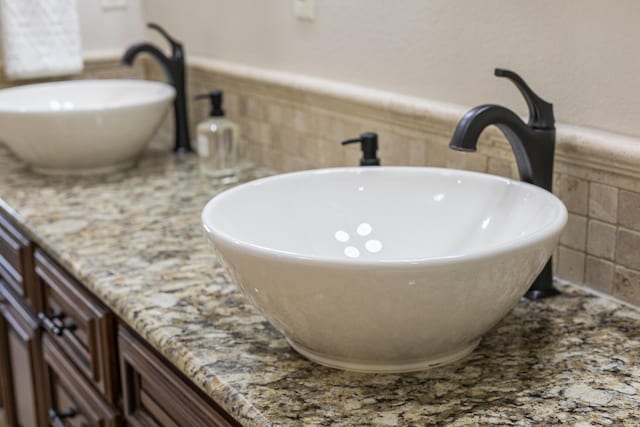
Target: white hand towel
{"points": [[40, 38]]}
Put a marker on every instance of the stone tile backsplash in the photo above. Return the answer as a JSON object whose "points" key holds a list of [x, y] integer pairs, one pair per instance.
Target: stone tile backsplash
{"points": [[289, 128]]}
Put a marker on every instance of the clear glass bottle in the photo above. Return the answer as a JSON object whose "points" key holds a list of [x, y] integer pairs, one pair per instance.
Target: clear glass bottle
{"points": [[218, 143]]}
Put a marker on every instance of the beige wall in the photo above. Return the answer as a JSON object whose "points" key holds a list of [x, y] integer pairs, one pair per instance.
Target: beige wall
{"points": [[109, 29], [581, 55]]}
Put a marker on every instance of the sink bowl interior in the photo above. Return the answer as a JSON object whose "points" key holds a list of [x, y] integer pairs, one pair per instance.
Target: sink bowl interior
{"points": [[83, 126], [81, 96], [392, 216]]}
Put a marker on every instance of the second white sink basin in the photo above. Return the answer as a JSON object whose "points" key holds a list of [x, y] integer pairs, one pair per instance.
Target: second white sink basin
{"points": [[84, 126], [384, 269]]}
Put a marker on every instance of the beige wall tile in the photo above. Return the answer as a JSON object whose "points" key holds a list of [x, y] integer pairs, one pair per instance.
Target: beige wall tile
{"points": [[603, 202], [275, 138], [252, 153], [272, 158], [255, 108], [291, 142], [469, 161], [571, 264], [274, 113], [628, 248], [575, 233], [499, 167], [323, 124], [341, 128], [629, 210], [417, 152], [438, 154], [599, 274], [230, 104], [251, 130], [626, 285], [602, 239], [242, 105], [331, 155], [574, 192], [311, 122], [395, 150], [310, 150], [293, 163]]}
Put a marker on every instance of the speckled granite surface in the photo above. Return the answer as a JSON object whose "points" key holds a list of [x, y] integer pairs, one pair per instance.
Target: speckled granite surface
{"points": [[134, 239]]}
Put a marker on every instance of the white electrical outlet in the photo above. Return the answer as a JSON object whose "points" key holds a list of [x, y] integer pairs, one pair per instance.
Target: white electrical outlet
{"points": [[113, 4], [305, 9]]}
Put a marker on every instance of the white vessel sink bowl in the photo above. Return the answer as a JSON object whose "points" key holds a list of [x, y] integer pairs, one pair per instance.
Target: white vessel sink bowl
{"points": [[84, 126], [384, 269]]}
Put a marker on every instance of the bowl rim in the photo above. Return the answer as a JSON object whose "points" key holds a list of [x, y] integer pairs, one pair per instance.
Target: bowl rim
{"points": [[548, 229], [168, 93]]}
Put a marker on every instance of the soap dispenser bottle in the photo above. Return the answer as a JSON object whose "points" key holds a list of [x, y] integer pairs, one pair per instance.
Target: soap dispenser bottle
{"points": [[217, 142], [369, 146]]}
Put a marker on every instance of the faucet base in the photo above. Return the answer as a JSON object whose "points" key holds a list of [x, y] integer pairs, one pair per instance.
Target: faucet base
{"points": [[543, 285], [182, 150], [536, 294]]}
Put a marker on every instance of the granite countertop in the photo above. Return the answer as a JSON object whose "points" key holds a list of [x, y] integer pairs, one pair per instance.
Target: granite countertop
{"points": [[134, 239]]}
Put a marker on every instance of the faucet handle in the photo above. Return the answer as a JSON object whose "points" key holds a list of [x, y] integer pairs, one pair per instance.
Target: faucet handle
{"points": [[175, 45], [369, 146], [540, 111]]}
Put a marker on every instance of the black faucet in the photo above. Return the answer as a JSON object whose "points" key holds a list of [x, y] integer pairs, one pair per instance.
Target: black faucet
{"points": [[174, 71], [533, 145]]}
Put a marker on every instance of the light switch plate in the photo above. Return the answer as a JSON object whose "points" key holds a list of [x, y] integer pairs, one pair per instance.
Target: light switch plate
{"points": [[113, 4], [305, 9]]}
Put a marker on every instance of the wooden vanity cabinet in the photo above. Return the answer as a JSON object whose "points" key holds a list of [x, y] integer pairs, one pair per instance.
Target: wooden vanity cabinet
{"points": [[70, 400], [82, 326], [16, 263], [20, 362], [155, 394], [60, 348]]}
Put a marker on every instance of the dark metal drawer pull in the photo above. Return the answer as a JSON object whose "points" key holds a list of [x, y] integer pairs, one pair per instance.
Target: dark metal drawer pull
{"points": [[54, 323], [57, 420]]}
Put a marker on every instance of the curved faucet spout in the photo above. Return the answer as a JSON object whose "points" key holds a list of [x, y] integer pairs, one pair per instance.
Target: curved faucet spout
{"points": [[138, 48], [465, 137]]}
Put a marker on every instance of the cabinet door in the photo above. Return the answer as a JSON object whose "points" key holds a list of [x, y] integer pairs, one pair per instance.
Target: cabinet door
{"points": [[20, 363], [16, 262], [154, 394], [80, 324], [70, 399]]}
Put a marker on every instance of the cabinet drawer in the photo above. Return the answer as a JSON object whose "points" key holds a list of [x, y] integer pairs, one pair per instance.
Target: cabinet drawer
{"points": [[16, 261], [70, 400], [82, 327], [154, 394]]}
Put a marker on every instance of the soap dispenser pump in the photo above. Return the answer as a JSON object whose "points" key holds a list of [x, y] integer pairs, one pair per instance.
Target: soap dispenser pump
{"points": [[218, 142], [369, 145]]}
